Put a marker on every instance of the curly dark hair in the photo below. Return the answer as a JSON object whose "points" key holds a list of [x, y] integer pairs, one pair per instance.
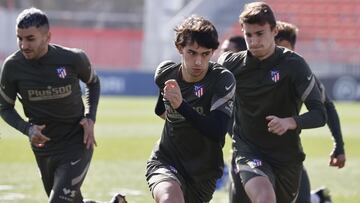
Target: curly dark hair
{"points": [[196, 29]]}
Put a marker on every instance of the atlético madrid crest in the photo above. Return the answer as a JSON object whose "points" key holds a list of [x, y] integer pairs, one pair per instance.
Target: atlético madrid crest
{"points": [[198, 90], [61, 72], [275, 75]]}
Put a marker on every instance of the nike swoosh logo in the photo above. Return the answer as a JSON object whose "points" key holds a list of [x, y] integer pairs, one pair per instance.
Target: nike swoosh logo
{"points": [[309, 77], [75, 162], [228, 87]]}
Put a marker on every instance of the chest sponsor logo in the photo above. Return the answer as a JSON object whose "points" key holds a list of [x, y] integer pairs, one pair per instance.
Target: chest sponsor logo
{"points": [[49, 93], [61, 72], [275, 75], [198, 90]]}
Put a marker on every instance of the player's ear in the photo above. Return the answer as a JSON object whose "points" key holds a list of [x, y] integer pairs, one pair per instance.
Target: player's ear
{"points": [[275, 31], [48, 37]]}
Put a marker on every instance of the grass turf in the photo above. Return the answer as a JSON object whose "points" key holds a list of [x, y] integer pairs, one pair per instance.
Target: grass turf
{"points": [[126, 131]]}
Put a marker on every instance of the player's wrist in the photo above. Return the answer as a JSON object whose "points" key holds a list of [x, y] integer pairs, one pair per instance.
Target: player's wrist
{"points": [[31, 131]]}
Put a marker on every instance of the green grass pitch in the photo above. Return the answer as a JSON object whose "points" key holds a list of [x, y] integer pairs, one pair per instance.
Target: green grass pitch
{"points": [[126, 131]]}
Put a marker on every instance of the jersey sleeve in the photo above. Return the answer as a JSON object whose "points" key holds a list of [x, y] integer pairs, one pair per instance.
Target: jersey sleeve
{"points": [[88, 75], [304, 80], [231, 61], [160, 72], [7, 85], [84, 69], [223, 98], [309, 93], [8, 92]]}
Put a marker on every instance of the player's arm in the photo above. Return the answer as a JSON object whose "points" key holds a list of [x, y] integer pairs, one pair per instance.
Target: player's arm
{"points": [[92, 95], [7, 100], [214, 125], [337, 156], [306, 89], [161, 70], [316, 114], [10, 115], [160, 107], [334, 126], [92, 85], [231, 61]]}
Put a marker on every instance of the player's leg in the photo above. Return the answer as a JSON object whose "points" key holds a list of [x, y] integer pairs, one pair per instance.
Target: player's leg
{"points": [[237, 193], [256, 175], [258, 187], [47, 171], [257, 178], [304, 190], [321, 195], [200, 191], [69, 176], [287, 182], [164, 183]]}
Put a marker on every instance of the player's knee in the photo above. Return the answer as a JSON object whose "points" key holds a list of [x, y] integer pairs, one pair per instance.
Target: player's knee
{"points": [[168, 191]]}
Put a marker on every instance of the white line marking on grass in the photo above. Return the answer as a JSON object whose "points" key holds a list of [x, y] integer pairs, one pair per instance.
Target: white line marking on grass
{"points": [[12, 196], [127, 192], [6, 187]]}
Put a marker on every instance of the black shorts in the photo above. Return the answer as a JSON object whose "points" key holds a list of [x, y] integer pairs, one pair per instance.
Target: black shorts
{"points": [[194, 192], [237, 192], [62, 175], [285, 179]]}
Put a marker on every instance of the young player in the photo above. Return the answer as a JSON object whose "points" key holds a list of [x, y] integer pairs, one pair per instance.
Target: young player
{"points": [[286, 37], [271, 85], [196, 101], [45, 78]]}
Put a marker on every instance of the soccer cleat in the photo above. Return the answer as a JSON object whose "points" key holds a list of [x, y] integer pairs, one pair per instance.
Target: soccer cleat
{"points": [[118, 198], [324, 195]]}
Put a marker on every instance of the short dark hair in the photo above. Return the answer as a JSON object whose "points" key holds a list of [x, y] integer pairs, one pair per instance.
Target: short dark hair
{"points": [[239, 42], [258, 13], [196, 29], [32, 17], [286, 31]]}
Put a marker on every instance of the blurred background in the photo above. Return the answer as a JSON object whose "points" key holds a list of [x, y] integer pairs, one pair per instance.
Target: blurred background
{"points": [[127, 39]]}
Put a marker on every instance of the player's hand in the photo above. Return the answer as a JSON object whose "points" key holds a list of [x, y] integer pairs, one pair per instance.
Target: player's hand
{"points": [[89, 138], [172, 93], [36, 137], [337, 161], [279, 126]]}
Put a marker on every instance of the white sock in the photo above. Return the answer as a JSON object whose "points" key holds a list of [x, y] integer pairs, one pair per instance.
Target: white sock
{"points": [[314, 198]]}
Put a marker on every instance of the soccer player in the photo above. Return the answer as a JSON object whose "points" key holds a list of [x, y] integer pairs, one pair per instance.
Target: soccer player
{"points": [[45, 78], [196, 101], [236, 191], [286, 37], [234, 44], [271, 85]]}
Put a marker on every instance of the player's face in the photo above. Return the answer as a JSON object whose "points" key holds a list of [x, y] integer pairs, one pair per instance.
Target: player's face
{"points": [[33, 42], [228, 46], [284, 43], [195, 61], [260, 39]]}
